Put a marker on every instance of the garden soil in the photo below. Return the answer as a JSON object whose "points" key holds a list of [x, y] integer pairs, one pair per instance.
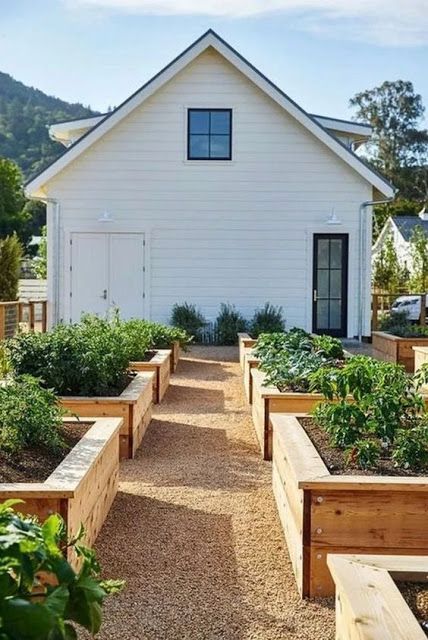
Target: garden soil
{"points": [[194, 529]]}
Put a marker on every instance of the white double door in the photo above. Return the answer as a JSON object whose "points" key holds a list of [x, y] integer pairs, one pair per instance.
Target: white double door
{"points": [[107, 271]]}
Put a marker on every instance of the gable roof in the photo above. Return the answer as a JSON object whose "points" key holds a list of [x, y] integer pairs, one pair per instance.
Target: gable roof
{"points": [[406, 225], [210, 39]]}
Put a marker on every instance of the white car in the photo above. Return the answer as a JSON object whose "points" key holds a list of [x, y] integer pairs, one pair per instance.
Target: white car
{"points": [[410, 305]]}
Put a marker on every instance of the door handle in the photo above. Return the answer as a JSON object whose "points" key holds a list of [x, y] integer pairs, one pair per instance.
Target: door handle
{"points": [[104, 296], [315, 295]]}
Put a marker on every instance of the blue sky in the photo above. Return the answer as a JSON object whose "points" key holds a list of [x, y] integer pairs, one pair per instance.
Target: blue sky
{"points": [[321, 52]]}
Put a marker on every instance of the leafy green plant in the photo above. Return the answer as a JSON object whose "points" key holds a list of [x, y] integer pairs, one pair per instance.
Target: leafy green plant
{"points": [[29, 415], [10, 265], [327, 346], [290, 371], [41, 596], [268, 319], [87, 359], [376, 403], [162, 335], [187, 317], [228, 324]]}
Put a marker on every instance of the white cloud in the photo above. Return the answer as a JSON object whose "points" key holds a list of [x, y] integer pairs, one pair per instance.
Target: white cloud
{"points": [[385, 22]]}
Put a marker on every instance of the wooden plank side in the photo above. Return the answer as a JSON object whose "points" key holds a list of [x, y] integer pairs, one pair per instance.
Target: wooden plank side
{"points": [[374, 519], [250, 362], [258, 411], [160, 366], [292, 533], [370, 606]]}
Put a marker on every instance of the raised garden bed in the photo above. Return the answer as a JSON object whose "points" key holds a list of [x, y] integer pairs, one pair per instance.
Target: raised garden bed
{"points": [[268, 400], [369, 605], [160, 365], [250, 362], [245, 341], [83, 486], [392, 348], [323, 513], [421, 356], [134, 405]]}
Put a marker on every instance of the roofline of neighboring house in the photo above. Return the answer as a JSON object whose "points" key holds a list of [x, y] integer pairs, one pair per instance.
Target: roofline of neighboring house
{"points": [[214, 40]]}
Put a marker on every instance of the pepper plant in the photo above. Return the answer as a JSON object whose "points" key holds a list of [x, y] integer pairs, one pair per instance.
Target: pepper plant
{"points": [[42, 597]]}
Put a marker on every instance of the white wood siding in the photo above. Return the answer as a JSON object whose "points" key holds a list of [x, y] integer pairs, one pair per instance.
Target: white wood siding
{"points": [[217, 231]]}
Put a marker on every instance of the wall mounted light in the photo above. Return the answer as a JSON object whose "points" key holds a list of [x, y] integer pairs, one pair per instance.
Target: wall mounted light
{"points": [[105, 217], [333, 219]]}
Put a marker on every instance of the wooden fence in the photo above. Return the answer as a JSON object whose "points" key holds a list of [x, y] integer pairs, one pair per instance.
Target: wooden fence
{"points": [[381, 302], [32, 313]]}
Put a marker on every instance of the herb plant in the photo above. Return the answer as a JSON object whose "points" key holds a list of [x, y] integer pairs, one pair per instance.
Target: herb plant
{"points": [[29, 415], [229, 323], [41, 596], [187, 317], [268, 319]]}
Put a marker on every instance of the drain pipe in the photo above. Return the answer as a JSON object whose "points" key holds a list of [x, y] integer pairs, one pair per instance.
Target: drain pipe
{"points": [[55, 264], [361, 258]]}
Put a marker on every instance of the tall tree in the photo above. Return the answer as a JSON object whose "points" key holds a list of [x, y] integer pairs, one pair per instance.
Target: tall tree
{"points": [[12, 218], [419, 253], [399, 144]]}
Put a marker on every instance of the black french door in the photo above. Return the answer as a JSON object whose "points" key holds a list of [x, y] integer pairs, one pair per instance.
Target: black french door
{"points": [[330, 284]]}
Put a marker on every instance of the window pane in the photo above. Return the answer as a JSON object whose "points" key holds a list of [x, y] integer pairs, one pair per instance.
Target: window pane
{"points": [[323, 253], [199, 122], [335, 311], [220, 122], [219, 147], [335, 254], [336, 283], [322, 314], [199, 147], [322, 284]]}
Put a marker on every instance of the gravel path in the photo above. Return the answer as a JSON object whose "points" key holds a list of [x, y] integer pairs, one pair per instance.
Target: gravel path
{"points": [[194, 529]]}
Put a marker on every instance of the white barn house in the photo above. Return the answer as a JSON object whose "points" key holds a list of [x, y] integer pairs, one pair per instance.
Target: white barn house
{"points": [[209, 185]]}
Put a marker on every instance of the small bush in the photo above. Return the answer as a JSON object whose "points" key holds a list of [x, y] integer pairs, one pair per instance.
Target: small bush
{"points": [[269, 319], [229, 323], [41, 595], [86, 359], [398, 324], [163, 335], [187, 317], [29, 416], [10, 265]]}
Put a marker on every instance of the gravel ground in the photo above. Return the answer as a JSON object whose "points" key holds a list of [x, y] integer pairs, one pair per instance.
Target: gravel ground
{"points": [[194, 530]]}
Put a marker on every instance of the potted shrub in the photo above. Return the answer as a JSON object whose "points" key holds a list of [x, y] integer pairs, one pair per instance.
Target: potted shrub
{"points": [[281, 383], [353, 478], [86, 364], [396, 339], [41, 594], [56, 463]]}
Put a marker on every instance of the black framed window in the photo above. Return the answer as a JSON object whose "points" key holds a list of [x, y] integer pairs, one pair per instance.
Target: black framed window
{"points": [[209, 134]]}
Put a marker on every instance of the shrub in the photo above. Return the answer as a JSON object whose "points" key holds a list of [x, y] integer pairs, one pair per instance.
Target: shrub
{"points": [[269, 319], [187, 317], [87, 359], [10, 265], [29, 416], [229, 323], [387, 411], [32, 564], [398, 324], [162, 335]]}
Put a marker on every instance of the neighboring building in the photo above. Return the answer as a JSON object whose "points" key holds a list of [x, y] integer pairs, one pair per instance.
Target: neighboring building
{"points": [[400, 229], [209, 185]]}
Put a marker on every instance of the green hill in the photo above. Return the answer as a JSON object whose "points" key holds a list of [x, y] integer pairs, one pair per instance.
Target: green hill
{"points": [[25, 113]]}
